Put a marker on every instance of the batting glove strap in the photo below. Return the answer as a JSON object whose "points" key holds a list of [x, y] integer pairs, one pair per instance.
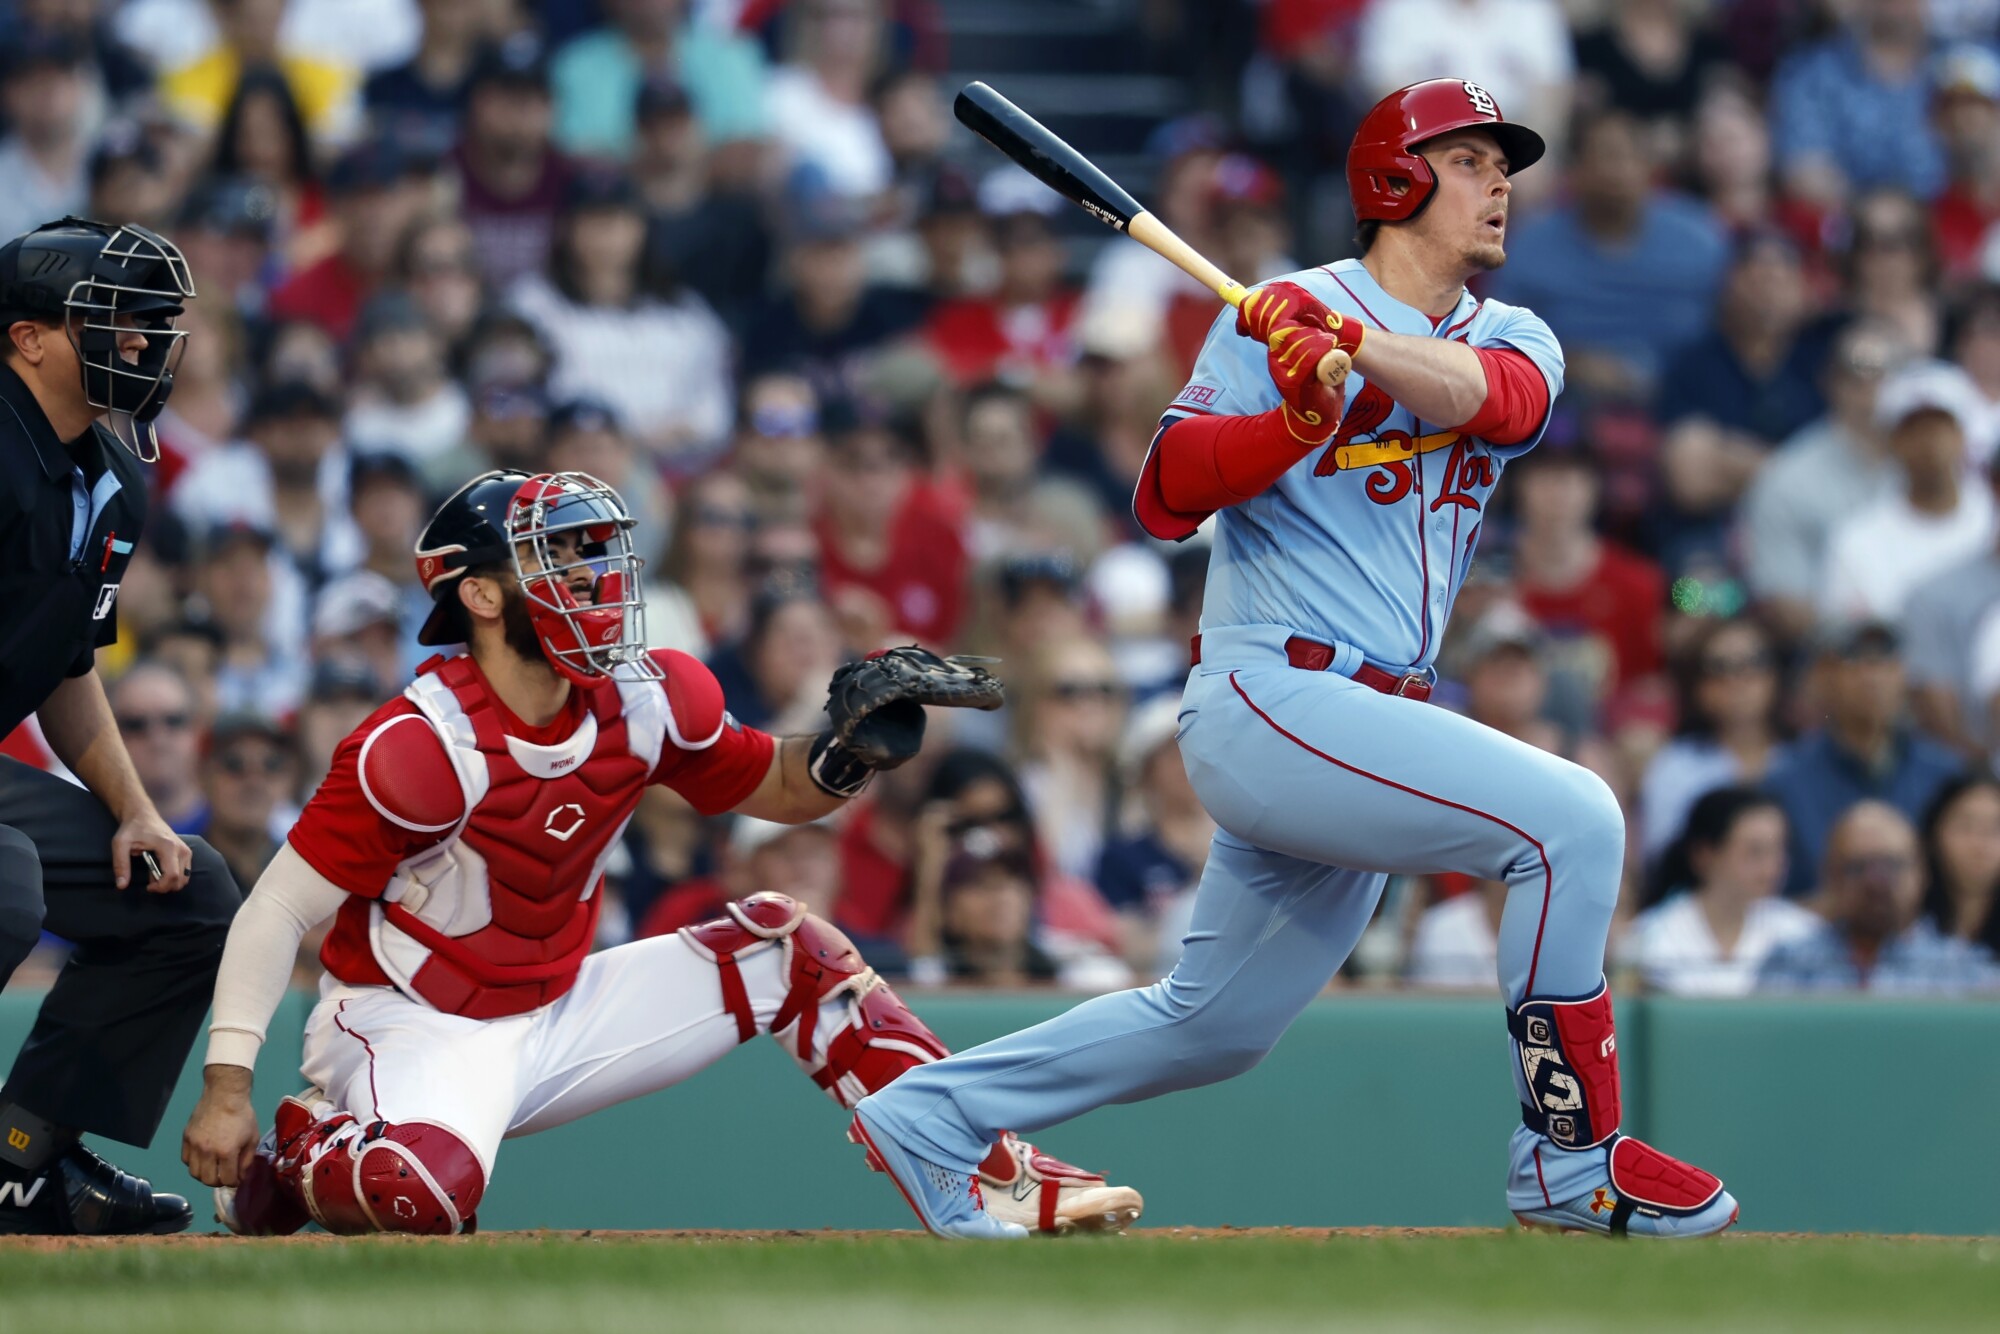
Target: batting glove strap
{"points": [[837, 771]]}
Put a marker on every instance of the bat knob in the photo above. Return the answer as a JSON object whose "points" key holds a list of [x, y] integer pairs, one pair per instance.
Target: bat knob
{"points": [[1333, 368]]}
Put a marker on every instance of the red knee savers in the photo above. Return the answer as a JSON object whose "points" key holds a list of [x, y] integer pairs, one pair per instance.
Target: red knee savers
{"points": [[413, 1176], [1568, 1048]]}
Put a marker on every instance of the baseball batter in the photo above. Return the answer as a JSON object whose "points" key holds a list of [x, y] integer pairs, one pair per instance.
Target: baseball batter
{"points": [[1347, 520], [458, 845]]}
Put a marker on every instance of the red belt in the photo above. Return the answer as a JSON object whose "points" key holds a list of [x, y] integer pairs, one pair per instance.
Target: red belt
{"points": [[1309, 655]]}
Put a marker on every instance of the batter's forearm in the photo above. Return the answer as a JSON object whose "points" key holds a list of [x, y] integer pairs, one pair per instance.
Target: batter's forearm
{"points": [[82, 732], [289, 900], [1438, 380]]}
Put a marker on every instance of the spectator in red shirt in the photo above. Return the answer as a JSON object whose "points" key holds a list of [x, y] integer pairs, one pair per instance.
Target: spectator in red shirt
{"points": [[1021, 331], [893, 564], [510, 177], [1967, 114], [1600, 604], [375, 197]]}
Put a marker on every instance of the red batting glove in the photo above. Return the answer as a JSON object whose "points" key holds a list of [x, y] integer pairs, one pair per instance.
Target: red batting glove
{"points": [[1275, 305], [1311, 410]]}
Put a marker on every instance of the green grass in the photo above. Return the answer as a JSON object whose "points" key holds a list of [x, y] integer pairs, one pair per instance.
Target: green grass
{"points": [[891, 1285]]}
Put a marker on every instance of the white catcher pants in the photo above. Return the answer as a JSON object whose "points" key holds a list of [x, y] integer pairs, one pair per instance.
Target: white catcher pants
{"points": [[641, 1017]]}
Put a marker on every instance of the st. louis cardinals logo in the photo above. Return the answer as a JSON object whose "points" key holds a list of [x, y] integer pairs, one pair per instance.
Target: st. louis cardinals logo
{"points": [[1393, 456], [1482, 101]]}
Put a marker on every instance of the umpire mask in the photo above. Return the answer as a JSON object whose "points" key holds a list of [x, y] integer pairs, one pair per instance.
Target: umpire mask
{"points": [[103, 283]]}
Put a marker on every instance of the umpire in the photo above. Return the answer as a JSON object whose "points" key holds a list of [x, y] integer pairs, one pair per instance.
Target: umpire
{"points": [[86, 333]]}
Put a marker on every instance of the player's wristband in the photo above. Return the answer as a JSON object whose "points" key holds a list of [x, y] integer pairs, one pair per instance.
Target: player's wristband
{"points": [[1347, 331], [835, 769]]}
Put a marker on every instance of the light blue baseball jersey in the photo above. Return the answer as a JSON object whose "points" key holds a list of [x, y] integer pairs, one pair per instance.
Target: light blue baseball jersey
{"points": [[1365, 541]]}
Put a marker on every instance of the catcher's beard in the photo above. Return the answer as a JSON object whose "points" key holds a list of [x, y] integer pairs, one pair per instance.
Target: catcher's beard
{"points": [[520, 627]]}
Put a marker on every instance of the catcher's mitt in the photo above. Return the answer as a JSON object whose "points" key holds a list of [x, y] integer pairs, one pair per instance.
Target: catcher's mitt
{"points": [[876, 705]]}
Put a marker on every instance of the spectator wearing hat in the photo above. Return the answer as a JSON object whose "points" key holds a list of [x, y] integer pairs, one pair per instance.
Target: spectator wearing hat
{"points": [[779, 451], [710, 239], [1877, 557], [597, 75], [233, 582], [286, 479], [1618, 246], [829, 315], [1853, 110], [1600, 605], [1875, 936], [1965, 108], [586, 436], [263, 139], [404, 400], [1252, 237], [248, 773], [1021, 330], [892, 560], [389, 504], [374, 192], [661, 363], [1153, 859], [1864, 750], [361, 617], [419, 101], [45, 157], [343, 692], [156, 710], [1503, 663], [957, 258], [1827, 470], [247, 37], [129, 181], [510, 178], [226, 229]]}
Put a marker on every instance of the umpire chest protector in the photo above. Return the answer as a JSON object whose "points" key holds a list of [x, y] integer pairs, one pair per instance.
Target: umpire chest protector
{"points": [[496, 918], [66, 541]]}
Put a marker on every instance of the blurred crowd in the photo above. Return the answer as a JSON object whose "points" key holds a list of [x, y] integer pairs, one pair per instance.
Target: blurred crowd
{"points": [[861, 382]]}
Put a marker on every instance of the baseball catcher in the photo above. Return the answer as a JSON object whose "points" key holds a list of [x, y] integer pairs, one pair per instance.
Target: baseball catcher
{"points": [[459, 845]]}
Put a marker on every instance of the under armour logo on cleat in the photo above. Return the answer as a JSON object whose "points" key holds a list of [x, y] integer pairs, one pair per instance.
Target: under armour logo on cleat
{"points": [[1602, 1201]]}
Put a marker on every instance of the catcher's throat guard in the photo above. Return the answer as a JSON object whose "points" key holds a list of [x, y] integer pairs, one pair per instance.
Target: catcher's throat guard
{"points": [[103, 284], [513, 519]]}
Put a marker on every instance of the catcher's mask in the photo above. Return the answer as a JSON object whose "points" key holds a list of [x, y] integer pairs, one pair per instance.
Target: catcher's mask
{"points": [[509, 519], [102, 283]]}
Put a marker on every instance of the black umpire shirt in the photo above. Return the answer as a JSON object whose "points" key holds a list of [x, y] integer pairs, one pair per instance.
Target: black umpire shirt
{"points": [[69, 518]]}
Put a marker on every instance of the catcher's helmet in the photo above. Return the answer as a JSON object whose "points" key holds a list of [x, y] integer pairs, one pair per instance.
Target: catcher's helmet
{"points": [[1384, 152], [506, 518], [101, 281]]}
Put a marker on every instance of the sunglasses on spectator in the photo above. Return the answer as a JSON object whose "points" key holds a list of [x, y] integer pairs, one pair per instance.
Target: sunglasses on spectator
{"points": [[438, 266], [785, 422], [1076, 690], [1900, 239], [719, 516], [142, 724], [1878, 868], [1742, 664], [238, 765]]}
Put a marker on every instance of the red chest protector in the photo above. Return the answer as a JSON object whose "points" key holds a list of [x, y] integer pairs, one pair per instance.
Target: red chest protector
{"points": [[496, 919]]}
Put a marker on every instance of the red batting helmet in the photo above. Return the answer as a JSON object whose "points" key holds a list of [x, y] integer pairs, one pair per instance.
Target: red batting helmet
{"points": [[1384, 151]]}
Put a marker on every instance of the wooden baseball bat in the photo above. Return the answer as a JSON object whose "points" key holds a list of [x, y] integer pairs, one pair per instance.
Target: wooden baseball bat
{"points": [[1046, 157]]}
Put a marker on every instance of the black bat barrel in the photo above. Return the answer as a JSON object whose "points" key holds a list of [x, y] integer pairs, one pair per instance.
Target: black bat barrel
{"points": [[1044, 155]]}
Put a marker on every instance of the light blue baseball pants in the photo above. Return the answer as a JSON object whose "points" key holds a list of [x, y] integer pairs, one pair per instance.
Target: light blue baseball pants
{"points": [[1322, 788]]}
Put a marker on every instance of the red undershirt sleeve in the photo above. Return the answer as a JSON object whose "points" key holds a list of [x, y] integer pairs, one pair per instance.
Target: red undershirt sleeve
{"points": [[1517, 398], [1199, 465]]}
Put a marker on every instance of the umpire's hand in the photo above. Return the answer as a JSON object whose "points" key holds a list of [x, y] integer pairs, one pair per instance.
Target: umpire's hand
{"points": [[144, 832]]}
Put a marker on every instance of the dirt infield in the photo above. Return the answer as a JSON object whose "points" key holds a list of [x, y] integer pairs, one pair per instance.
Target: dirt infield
{"points": [[703, 1236]]}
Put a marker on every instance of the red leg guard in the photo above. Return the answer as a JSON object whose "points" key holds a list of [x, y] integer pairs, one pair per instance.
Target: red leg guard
{"points": [[881, 1037], [415, 1176], [1568, 1048]]}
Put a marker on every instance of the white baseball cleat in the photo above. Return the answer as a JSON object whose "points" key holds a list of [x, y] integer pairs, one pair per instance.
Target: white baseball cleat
{"points": [[1024, 1185]]}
